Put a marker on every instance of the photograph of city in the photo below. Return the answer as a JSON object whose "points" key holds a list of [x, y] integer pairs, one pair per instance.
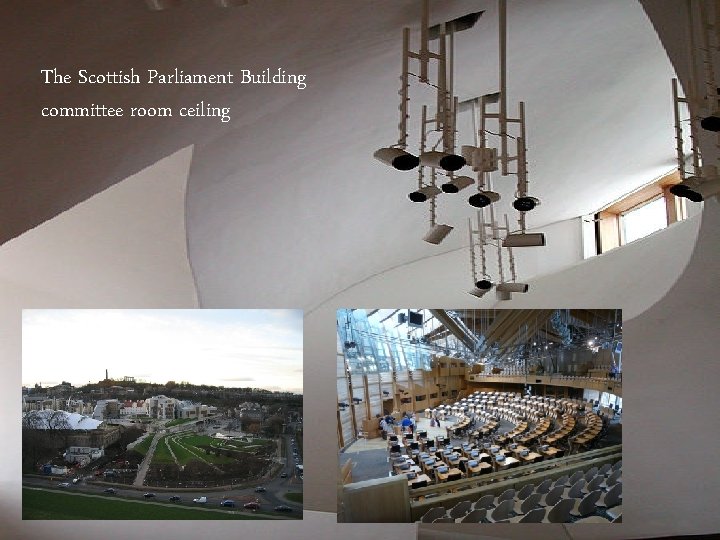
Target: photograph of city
{"points": [[162, 414]]}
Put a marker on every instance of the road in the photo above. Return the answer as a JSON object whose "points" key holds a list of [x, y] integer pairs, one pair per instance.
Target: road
{"points": [[276, 488]]}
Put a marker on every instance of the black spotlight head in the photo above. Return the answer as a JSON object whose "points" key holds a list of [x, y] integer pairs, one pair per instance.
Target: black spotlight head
{"points": [[406, 162], [449, 188], [524, 204], [711, 123], [483, 284], [452, 162], [681, 190], [479, 200], [416, 196]]}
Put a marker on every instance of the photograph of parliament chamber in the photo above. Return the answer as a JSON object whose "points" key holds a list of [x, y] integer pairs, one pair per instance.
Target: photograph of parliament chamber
{"points": [[285, 205], [480, 416]]}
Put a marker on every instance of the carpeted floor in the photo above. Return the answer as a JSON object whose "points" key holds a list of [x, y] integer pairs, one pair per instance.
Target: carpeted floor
{"points": [[370, 456]]}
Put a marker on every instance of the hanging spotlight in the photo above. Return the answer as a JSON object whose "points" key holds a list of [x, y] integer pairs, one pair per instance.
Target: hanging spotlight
{"points": [[484, 285], [483, 198], [475, 291], [697, 189], [512, 287], [423, 194], [524, 240], [525, 204], [437, 234], [457, 183], [442, 160], [712, 122], [397, 158]]}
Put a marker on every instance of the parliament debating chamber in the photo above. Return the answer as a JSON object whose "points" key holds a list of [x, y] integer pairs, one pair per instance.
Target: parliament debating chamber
{"points": [[479, 416]]}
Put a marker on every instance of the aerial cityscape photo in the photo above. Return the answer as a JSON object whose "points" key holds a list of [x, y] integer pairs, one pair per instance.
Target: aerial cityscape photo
{"points": [[162, 414]]}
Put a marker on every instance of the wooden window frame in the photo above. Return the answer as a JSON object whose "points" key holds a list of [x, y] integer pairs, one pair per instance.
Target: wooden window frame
{"points": [[608, 226]]}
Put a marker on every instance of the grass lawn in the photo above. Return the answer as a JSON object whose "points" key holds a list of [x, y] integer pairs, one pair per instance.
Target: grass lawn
{"points": [[162, 454], [295, 497], [182, 455], [144, 446], [37, 504]]}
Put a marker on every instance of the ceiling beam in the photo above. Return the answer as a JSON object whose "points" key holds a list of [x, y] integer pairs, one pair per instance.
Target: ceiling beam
{"points": [[448, 322]]}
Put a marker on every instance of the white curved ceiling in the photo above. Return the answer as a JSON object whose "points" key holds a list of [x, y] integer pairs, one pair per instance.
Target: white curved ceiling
{"points": [[286, 206]]}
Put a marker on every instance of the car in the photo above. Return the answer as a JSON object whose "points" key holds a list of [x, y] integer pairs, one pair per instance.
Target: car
{"points": [[283, 475], [109, 490], [260, 489], [149, 495], [227, 502], [200, 500], [64, 484], [174, 498], [283, 508], [252, 506]]}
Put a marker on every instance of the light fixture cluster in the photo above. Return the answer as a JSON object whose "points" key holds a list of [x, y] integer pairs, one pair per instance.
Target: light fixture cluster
{"points": [[500, 151], [702, 104]]}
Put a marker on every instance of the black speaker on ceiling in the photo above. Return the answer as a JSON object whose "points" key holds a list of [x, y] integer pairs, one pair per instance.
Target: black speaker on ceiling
{"points": [[415, 318]]}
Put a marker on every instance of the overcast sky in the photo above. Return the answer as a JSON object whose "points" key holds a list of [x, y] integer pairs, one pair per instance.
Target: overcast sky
{"points": [[221, 347]]}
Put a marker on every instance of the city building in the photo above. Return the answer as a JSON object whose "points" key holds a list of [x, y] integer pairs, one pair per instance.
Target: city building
{"points": [[161, 407], [106, 408]]}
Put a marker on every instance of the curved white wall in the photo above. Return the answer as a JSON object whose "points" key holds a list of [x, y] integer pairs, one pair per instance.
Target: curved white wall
{"points": [[122, 248]]}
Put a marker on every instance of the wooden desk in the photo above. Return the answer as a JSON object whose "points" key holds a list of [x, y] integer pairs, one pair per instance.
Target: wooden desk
{"points": [[551, 452], [507, 463], [420, 478], [481, 468], [531, 457]]}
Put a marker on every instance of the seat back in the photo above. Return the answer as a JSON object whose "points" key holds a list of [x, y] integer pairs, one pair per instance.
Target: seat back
{"points": [[614, 477], [544, 487], [576, 490], [525, 491], [594, 484], [533, 516], [591, 474], [574, 478], [604, 469], [530, 503], [555, 494], [503, 510], [562, 480], [460, 509], [486, 501], [617, 466], [560, 513], [507, 494], [433, 514], [587, 505], [612, 497]]}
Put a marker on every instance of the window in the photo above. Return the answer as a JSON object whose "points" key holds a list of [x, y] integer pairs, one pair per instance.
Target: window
{"points": [[643, 220], [637, 215]]}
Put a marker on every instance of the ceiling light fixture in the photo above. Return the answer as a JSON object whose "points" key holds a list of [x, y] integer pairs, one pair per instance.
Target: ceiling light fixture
{"points": [[701, 102]]}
